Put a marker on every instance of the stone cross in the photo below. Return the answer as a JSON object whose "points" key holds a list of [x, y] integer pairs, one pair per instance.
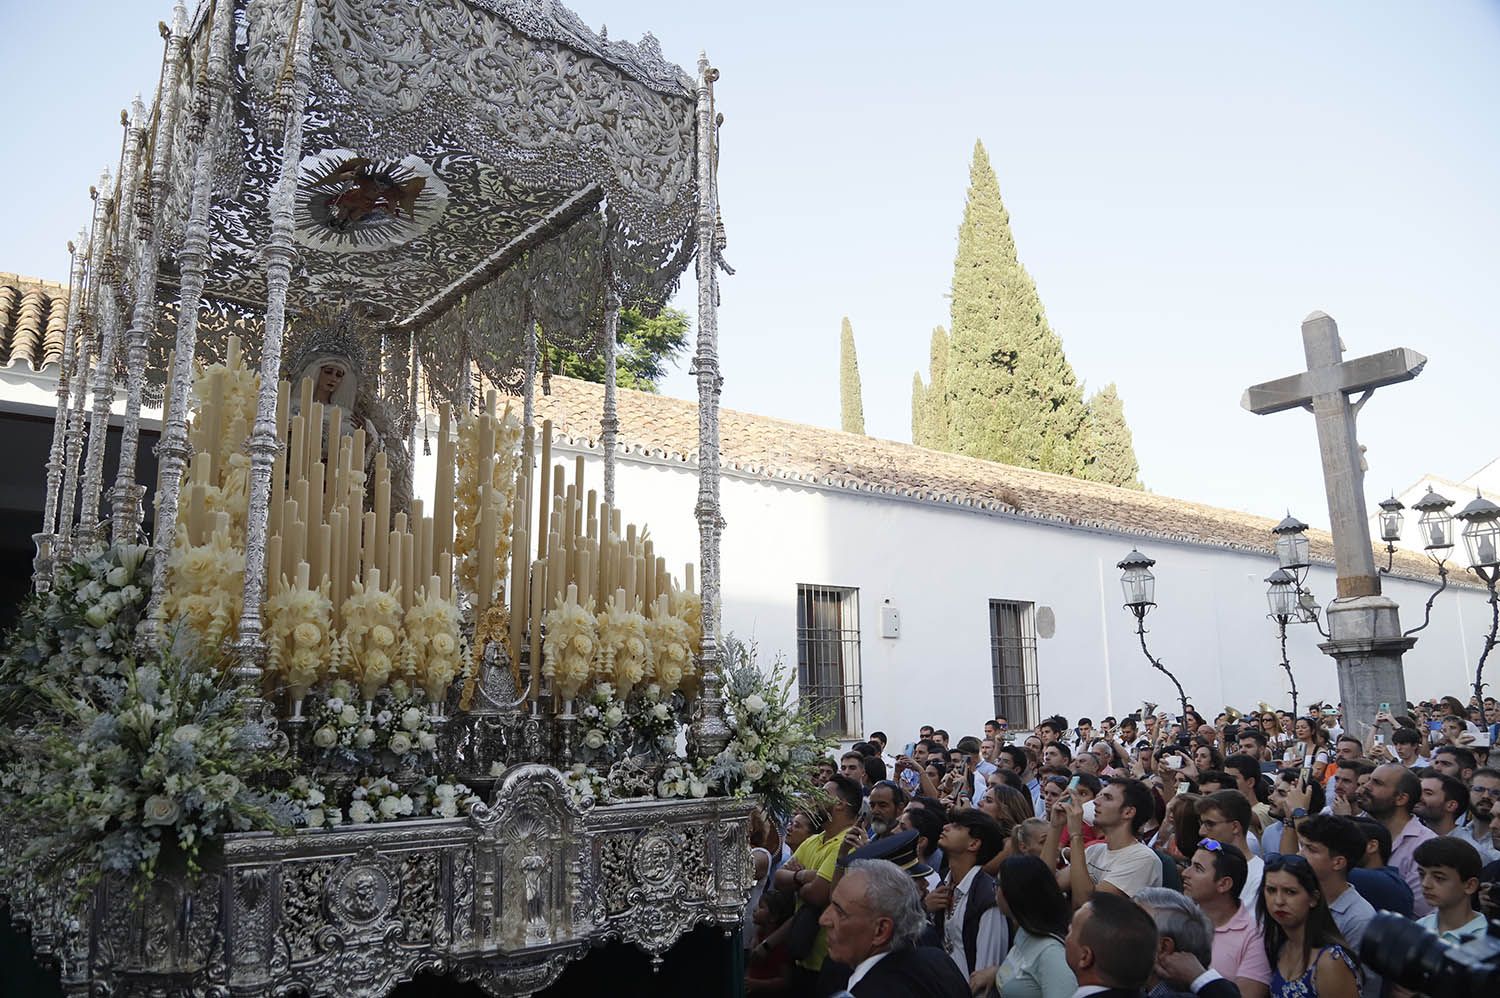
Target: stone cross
{"points": [[1325, 388], [1364, 627]]}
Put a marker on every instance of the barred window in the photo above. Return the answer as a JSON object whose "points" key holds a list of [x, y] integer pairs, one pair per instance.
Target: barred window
{"points": [[1013, 662], [828, 657]]}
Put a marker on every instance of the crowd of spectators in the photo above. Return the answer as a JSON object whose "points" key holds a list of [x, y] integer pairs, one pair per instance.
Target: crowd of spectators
{"points": [[1147, 855]]}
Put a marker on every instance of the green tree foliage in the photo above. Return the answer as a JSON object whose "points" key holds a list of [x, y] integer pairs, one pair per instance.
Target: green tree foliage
{"points": [[918, 410], [930, 416], [647, 348], [1113, 460], [851, 402], [1011, 394]]}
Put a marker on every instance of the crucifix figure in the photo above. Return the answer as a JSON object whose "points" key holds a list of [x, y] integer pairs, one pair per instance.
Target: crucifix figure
{"points": [[1364, 630]]}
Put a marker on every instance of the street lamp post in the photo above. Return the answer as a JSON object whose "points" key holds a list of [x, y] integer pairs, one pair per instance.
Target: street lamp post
{"points": [[1482, 538], [1293, 558], [1140, 596], [1391, 519], [1286, 608], [1435, 525]]}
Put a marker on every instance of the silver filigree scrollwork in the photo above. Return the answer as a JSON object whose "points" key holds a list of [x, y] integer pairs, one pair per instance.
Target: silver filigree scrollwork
{"points": [[280, 254], [199, 144], [710, 730]]}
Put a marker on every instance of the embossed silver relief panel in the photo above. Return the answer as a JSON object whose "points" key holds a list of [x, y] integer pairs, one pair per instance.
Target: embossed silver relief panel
{"points": [[504, 898]]}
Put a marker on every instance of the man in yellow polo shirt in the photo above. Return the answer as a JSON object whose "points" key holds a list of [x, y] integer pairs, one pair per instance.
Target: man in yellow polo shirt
{"points": [[811, 869]]}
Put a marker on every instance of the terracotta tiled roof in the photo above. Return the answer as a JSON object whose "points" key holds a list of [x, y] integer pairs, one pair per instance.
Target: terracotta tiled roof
{"points": [[761, 447], [33, 317]]}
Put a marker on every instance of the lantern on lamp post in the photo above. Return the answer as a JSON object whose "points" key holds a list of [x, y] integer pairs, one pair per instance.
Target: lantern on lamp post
{"points": [[1481, 519], [1435, 525], [1139, 585], [1292, 548], [1285, 600], [1392, 518]]}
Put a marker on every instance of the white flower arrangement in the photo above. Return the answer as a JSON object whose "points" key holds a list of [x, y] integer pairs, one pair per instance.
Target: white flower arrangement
{"points": [[624, 649], [315, 807], [586, 786], [298, 633], [679, 779], [435, 643], [206, 583], [138, 775], [379, 798], [84, 626], [603, 717], [446, 798], [653, 717], [372, 627], [671, 638], [775, 744], [568, 650], [394, 730]]}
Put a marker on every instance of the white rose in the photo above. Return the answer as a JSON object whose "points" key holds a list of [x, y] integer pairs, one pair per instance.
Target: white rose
{"points": [[390, 807], [662, 711], [315, 817], [314, 797], [400, 743], [349, 715], [411, 719], [754, 770], [664, 789], [404, 804], [427, 741], [187, 734], [653, 691], [754, 703], [160, 810], [325, 737], [750, 740], [360, 812], [446, 807], [364, 738], [698, 789], [605, 690], [118, 577], [594, 739], [614, 716], [97, 615]]}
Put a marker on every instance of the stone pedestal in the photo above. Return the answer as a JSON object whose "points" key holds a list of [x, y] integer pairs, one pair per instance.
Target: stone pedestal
{"points": [[1365, 640]]}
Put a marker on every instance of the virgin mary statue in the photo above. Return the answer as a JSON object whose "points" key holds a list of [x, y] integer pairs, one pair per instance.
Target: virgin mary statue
{"points": [[344, 368]]}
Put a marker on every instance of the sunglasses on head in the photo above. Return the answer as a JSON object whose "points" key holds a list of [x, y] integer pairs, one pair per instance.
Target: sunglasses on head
{"points": [[1212, 845], [1286, 861]]}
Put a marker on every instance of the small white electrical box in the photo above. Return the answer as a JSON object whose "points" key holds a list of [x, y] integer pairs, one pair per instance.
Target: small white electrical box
{"points": [[890, 621]]}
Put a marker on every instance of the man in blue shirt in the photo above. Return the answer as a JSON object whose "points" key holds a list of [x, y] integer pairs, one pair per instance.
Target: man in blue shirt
{"points": [[1377, 883]]}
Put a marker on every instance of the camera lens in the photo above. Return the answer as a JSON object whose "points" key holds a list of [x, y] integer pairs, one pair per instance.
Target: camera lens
{"points": [[1402, 951]]}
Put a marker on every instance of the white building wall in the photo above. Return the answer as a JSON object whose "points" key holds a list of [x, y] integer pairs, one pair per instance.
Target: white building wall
{"points": [[940, 566]]}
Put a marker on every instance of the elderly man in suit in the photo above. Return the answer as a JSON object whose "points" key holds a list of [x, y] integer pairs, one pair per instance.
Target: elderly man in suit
{"points": [[874, 920], [1184, 949]]}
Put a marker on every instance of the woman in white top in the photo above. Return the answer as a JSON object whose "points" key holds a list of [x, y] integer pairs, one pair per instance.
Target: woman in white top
{"points": [[1035, 965]]}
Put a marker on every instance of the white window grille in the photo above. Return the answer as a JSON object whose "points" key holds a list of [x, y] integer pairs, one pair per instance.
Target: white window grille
{"points": [[1013, 662], [828, 679]]}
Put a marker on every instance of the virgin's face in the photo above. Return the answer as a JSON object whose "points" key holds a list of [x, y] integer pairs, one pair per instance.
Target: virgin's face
{"points": [[330, 376]]}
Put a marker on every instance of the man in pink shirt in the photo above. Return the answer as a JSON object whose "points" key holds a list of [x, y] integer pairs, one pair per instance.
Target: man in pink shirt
{"points": [[1214, 879], [1390, 796]]}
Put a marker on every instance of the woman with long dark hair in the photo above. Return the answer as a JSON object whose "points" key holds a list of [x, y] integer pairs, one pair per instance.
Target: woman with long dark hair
{"points": [[1308, 956], [1309, 746], [1035, 966]]}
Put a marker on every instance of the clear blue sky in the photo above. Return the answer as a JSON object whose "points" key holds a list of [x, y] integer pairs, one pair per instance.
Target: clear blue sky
{"points": [[1186, 181]]}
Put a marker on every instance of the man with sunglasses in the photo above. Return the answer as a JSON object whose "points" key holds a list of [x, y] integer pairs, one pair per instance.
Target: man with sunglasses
{"points": [[1482, 830], [1214, 878]]}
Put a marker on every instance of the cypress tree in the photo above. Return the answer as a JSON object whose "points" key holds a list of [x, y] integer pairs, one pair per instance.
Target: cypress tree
{"points": [[851, 405], [918, 410], [1113, 459], [936, 411], [1011, 394]]}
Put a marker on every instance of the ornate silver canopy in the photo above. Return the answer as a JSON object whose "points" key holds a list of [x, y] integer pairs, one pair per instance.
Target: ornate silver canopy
{"points": [[468, 168]]}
